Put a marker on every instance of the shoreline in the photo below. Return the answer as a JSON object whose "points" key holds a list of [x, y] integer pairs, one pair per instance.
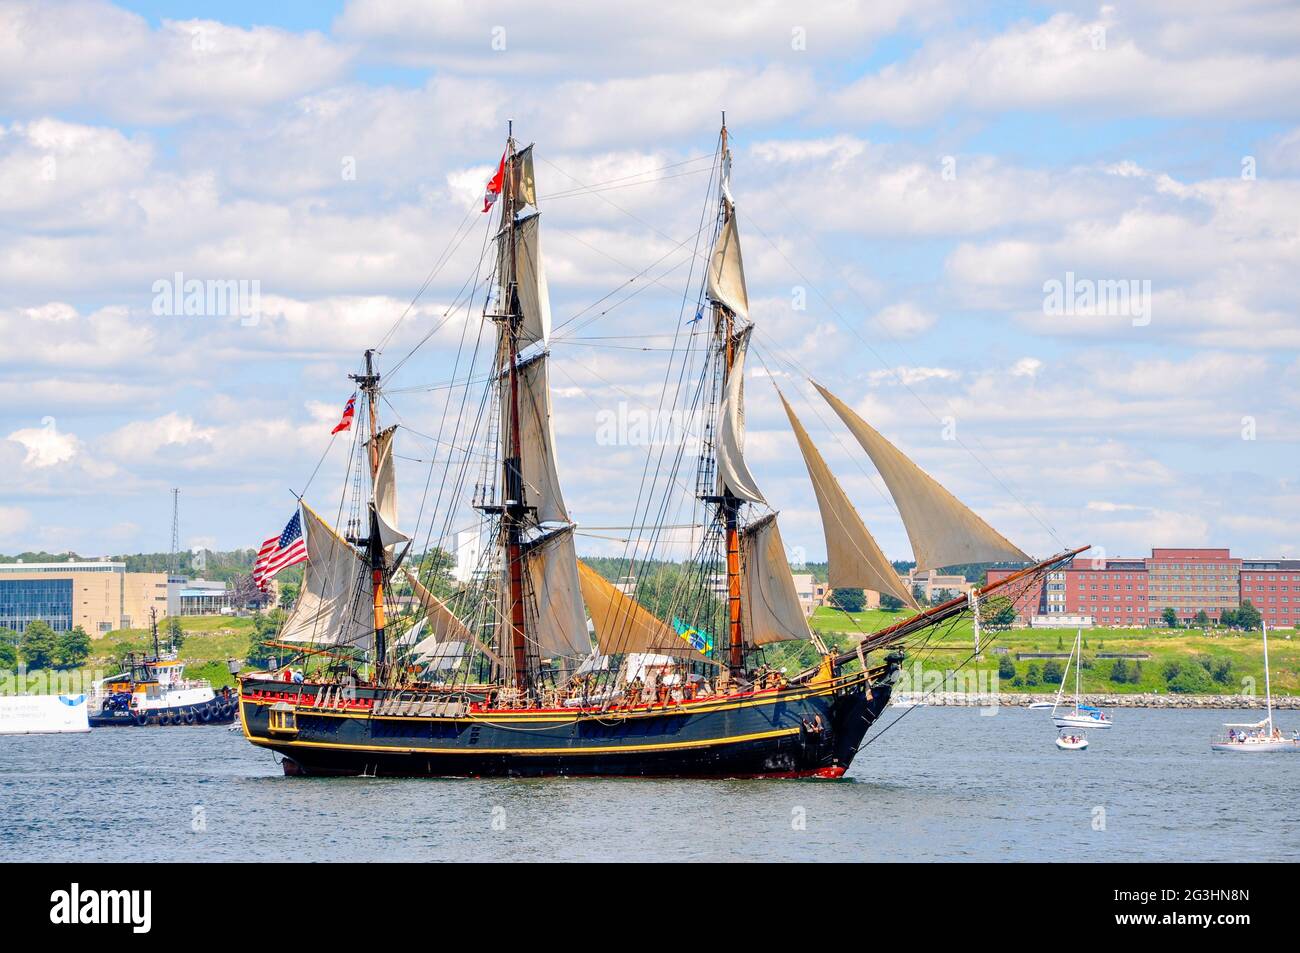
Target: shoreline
{"points": [[1135, 700]]}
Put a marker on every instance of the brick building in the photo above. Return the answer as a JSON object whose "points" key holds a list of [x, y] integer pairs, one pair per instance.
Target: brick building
{"points": [[1273, 586], [1120, 592]]}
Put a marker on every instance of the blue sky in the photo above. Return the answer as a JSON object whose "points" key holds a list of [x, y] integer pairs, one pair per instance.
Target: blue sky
{"points": [[921, 169]]}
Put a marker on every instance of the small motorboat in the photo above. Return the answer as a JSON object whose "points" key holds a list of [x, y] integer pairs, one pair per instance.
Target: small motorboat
{"points": [[1072, 741], [1035, 706]]}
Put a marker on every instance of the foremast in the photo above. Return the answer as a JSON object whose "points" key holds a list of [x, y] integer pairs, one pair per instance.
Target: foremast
{"points": [[729, 304], [376, 557]]}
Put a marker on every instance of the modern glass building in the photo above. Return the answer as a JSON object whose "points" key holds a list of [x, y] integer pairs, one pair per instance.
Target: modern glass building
{"points": [[26, 600], [98, 596]]}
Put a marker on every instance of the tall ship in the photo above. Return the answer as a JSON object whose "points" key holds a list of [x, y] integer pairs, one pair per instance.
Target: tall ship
{"points": [[531, 662]]}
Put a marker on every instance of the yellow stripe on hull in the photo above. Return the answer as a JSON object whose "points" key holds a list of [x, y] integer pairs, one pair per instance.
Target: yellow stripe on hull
{"points": [[528, 752]]}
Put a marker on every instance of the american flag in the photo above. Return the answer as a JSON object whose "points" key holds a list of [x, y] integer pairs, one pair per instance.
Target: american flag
{"points": [[280, 552]]}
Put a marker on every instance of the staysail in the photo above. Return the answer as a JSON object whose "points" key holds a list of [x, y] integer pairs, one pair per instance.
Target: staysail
{"points": [[444, 625], [943, 530], [333, 607], [771, 604], [855, 560], [733, 472], [624, 625]]}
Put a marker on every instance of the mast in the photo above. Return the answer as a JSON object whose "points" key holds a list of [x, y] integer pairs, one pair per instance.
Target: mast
{"points": [[1078, 666], [1268, 690], [153, 624], [513, 509], [369, 385], [728, 502]]}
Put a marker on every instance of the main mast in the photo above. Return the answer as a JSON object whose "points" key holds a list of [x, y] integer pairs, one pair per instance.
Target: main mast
{"points": [[513, 507], [369, 385]]}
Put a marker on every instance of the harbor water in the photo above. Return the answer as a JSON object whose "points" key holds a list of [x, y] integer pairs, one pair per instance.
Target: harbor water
{"points": [[941, 784]]}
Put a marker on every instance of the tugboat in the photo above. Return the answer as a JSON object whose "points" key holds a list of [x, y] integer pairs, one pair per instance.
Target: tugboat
{"points": [[153, 690]]}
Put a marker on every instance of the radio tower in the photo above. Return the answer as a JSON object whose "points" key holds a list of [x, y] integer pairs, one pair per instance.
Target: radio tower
{"points": [[172, 566]]}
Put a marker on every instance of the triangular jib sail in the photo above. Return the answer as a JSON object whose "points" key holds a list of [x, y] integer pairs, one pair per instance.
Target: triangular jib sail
{"points": [[855, 560], [943, 530]]}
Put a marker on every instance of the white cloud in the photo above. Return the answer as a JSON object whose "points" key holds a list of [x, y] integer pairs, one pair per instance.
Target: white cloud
{"points": [[92, 54], [45, 446], [534, 39], [903, 320], [1069, 62]]}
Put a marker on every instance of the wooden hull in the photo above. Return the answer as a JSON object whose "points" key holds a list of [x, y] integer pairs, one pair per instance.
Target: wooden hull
{"points": [[808, 731]]}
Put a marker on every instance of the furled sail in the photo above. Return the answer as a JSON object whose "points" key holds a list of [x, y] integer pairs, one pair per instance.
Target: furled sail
{"points": [[334, 605], [385, 493], [525, 183], [537, 439], [943, 530], [855, 559], [561, 628], [733, 472], [771, 606], [623, 624], [529, 276], [727, 269]]}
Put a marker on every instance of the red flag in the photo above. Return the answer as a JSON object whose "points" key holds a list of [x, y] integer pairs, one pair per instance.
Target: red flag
{"points": [[494, 185], [348, 413]]}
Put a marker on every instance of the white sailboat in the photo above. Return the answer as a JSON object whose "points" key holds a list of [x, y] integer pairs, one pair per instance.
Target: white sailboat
{"points": [[1261, 737], [1083, 716]]}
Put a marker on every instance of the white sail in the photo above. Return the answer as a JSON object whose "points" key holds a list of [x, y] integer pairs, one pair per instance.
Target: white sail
{"points": [[727, 269], [334, 606], [771, 608], [561, 623], [537, 439], [385, 493], [624, 625], [529, 276], [943, 530], [855, 560], [733, 472]]}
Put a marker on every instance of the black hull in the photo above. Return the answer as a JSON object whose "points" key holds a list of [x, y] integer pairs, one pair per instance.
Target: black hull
{"points": [[798, 732]]}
